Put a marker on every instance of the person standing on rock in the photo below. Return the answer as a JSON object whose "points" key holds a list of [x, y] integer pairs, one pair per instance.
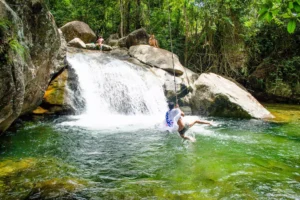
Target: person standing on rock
{"points": [[153, 42], [100, 42], [174, 121]]}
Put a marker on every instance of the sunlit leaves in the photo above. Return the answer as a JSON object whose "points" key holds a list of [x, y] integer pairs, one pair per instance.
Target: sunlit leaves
{"points": [[288, 11], [291, 26]]}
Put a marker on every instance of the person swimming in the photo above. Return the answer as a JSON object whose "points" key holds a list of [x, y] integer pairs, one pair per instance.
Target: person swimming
{"points": [[174, 119]]}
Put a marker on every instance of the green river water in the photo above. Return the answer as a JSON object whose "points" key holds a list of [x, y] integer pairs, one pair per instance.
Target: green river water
{"points": [[238, 159]]}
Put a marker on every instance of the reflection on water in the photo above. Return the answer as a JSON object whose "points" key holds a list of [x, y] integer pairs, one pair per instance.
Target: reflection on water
{"points": [[237, 159]]}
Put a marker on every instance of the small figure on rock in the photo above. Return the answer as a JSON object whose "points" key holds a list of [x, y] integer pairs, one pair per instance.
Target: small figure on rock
{"points": [[99, 42], [153, 42]]}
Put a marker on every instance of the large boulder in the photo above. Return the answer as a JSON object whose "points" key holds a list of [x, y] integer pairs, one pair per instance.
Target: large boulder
{"points": [[30, 43], [157, 57], [218, 96], [137, 37], [77, 29]]}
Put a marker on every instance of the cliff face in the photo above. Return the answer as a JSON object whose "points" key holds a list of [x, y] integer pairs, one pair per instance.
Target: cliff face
{"points": [[29, 48]]}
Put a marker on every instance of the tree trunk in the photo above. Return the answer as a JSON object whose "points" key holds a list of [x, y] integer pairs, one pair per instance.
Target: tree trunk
{"points": [[122, 20], [127, 30], [138, 15], [186, 34]]}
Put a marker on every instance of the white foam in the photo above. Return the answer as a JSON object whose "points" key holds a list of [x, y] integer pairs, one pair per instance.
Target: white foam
{"points": [[117, 94]]}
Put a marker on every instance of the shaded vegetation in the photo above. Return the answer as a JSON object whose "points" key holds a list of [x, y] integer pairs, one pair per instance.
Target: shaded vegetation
{"points": [[235, 38]]}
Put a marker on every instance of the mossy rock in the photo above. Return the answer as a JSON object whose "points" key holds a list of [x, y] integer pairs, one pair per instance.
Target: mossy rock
{"points": [[55, 94], [56, 189], [10, 167], [40, 111]]}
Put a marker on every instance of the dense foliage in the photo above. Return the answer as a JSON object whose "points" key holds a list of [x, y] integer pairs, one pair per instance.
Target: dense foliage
{"points": [[235, 38]]}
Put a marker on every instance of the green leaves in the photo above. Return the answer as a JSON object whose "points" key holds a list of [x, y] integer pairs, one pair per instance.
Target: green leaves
{"points": [[291, 26], [268, 16], [296, 7], [282, 12], [266, 12]]}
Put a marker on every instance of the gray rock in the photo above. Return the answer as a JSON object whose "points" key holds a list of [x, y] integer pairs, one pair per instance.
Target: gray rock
{"points": [[120, 53], [77, 42], [77, 29], [113, 40], [91, 46], [106, 47], [157, 57], [218, 96], [26, 63], [184, 85], [113, 43], [122, 42], [137, 37], [59, 62]]}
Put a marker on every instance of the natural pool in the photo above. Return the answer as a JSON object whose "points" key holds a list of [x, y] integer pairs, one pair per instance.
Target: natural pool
{"points": [[238, 159]]}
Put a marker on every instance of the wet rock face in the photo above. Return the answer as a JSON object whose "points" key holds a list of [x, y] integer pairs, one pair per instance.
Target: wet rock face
{"points": [[63, 95], [30, 44], [218, 96]]}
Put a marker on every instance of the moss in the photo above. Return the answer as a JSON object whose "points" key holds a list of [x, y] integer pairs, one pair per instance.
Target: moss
{"points": [[10, 167], [55, 93], [17, 48], [284, 113], [56, 188], [40, 110]]}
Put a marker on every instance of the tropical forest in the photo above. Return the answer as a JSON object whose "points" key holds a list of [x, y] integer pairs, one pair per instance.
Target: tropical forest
{"points": [[149, 99]]}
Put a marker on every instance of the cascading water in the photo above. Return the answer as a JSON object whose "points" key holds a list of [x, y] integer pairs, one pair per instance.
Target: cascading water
{"points": [[117, 93]]}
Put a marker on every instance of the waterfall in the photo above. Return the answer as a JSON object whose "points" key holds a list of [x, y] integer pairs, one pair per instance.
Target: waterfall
{"points": [[116, 93]]}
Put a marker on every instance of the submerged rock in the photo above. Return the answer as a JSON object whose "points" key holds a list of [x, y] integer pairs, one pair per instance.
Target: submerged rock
{"points": [[78, 29], [56, 189], [218, 96], [10, 167]]}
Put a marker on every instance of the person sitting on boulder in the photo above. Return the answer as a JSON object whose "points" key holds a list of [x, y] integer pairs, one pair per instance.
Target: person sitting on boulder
{"points": [[174, 121], [153, 42], [99, 42]]}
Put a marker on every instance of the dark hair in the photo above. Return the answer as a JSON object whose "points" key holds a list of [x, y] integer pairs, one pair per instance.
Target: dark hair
{"points": [[171, 105]]}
